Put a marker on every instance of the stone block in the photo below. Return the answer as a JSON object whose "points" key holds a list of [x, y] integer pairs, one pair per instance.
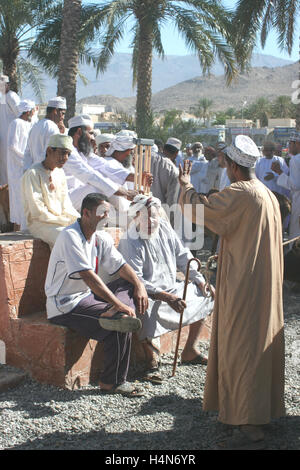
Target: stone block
{"points": [[52, 354]]}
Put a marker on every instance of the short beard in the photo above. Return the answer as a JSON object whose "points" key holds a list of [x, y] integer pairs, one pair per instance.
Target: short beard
{"points": [[84, 146], [127, 162]]}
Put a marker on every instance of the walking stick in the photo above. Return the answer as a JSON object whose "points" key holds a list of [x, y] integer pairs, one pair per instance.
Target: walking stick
{"points": [[181, 315]]}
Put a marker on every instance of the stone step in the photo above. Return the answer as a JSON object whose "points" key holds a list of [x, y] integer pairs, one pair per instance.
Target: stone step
{"points": [[10, 379]]}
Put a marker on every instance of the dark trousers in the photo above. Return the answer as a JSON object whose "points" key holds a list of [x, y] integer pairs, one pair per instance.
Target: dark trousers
{"points": [[116, 346]]}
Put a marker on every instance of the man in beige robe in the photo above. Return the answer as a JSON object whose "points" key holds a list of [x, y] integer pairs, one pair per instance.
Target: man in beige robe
{"points": [[47, 206], [245, 374]]}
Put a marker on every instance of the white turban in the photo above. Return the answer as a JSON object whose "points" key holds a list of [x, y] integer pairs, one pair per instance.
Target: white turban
{"points": [[58, 102], [25, 106], [128, 133], [140, 201], [81, 120], [120, 143], [104, 138], [244, 151]]}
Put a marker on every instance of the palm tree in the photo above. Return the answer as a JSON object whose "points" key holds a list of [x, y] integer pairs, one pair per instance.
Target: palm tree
{"points": [[204, 24], [264, 15], [282, 107], [203, 109], [69, 54], [18, 22]]}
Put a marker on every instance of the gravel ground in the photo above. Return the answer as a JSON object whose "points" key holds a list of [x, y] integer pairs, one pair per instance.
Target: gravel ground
{"points": [[167, 417]]}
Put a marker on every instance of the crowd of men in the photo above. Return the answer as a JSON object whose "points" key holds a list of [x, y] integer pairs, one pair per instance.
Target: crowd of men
{"points": [[67, 183]]}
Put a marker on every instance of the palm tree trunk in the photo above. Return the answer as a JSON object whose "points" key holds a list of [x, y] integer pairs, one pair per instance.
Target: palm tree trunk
{"points": [[298, 105], [69, 55], [144, 78], [9, 61]]}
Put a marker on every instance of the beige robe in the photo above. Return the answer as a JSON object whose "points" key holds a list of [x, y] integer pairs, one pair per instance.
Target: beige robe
{"points": [[245, 373], [48, 211]]}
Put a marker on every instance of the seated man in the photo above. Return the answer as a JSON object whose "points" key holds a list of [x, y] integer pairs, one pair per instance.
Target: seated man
{"points": [[79, 299], [47, 206], [155, 252]]}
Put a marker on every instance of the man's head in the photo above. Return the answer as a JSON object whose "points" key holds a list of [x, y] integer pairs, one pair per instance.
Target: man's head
{"points": [[220, 154], [209, 153], [121, 149], [56, 109], [188, 150], [171, 148], [26, 110], [240, 159], [58, 151], [4, 82], [103, 142], [81, 129], [94, 211], [145, 212], [197, 148], [294, 143], [269, 150]]}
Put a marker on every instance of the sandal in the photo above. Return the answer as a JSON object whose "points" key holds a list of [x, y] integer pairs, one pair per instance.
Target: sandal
{"points": [[240, 441], [153, 376], [126, 389], [120, 322], [199, 359]]}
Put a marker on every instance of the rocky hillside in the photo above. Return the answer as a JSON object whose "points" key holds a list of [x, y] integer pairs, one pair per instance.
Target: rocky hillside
{"points": [[269, 82]]}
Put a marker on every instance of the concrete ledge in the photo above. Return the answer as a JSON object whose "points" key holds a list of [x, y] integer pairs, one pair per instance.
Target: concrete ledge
{"points": [[9, 379]]}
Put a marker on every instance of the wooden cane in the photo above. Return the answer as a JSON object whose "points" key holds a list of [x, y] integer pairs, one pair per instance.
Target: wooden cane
{"points": [[290, 241], [181, 315]]}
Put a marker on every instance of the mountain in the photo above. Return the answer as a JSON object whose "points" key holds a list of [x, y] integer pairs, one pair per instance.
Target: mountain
{"points": [[260, 81], [117, 80]]}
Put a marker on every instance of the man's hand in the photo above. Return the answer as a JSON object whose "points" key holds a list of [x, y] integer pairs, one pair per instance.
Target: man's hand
{"points": [[120, 308], [61, 127], [207, 289], [141, 298], [185, 173], [176, 303], [276, 167], [147, 179], [269, 176]]}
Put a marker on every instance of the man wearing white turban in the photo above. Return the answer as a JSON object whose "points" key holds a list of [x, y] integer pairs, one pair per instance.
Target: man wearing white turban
{"points": [[17, 136], [245, 372], [87, 173], [155, 252], [41, 131], [9, 101], [103, 142]]}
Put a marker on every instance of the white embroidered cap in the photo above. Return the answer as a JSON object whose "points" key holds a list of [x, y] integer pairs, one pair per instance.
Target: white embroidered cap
{"points": [[58, 102], [174, 142], [81, 120], [244, 151]]}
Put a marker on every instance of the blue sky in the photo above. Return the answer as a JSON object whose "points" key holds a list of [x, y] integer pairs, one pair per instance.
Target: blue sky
{"points": [[174, 45]]}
